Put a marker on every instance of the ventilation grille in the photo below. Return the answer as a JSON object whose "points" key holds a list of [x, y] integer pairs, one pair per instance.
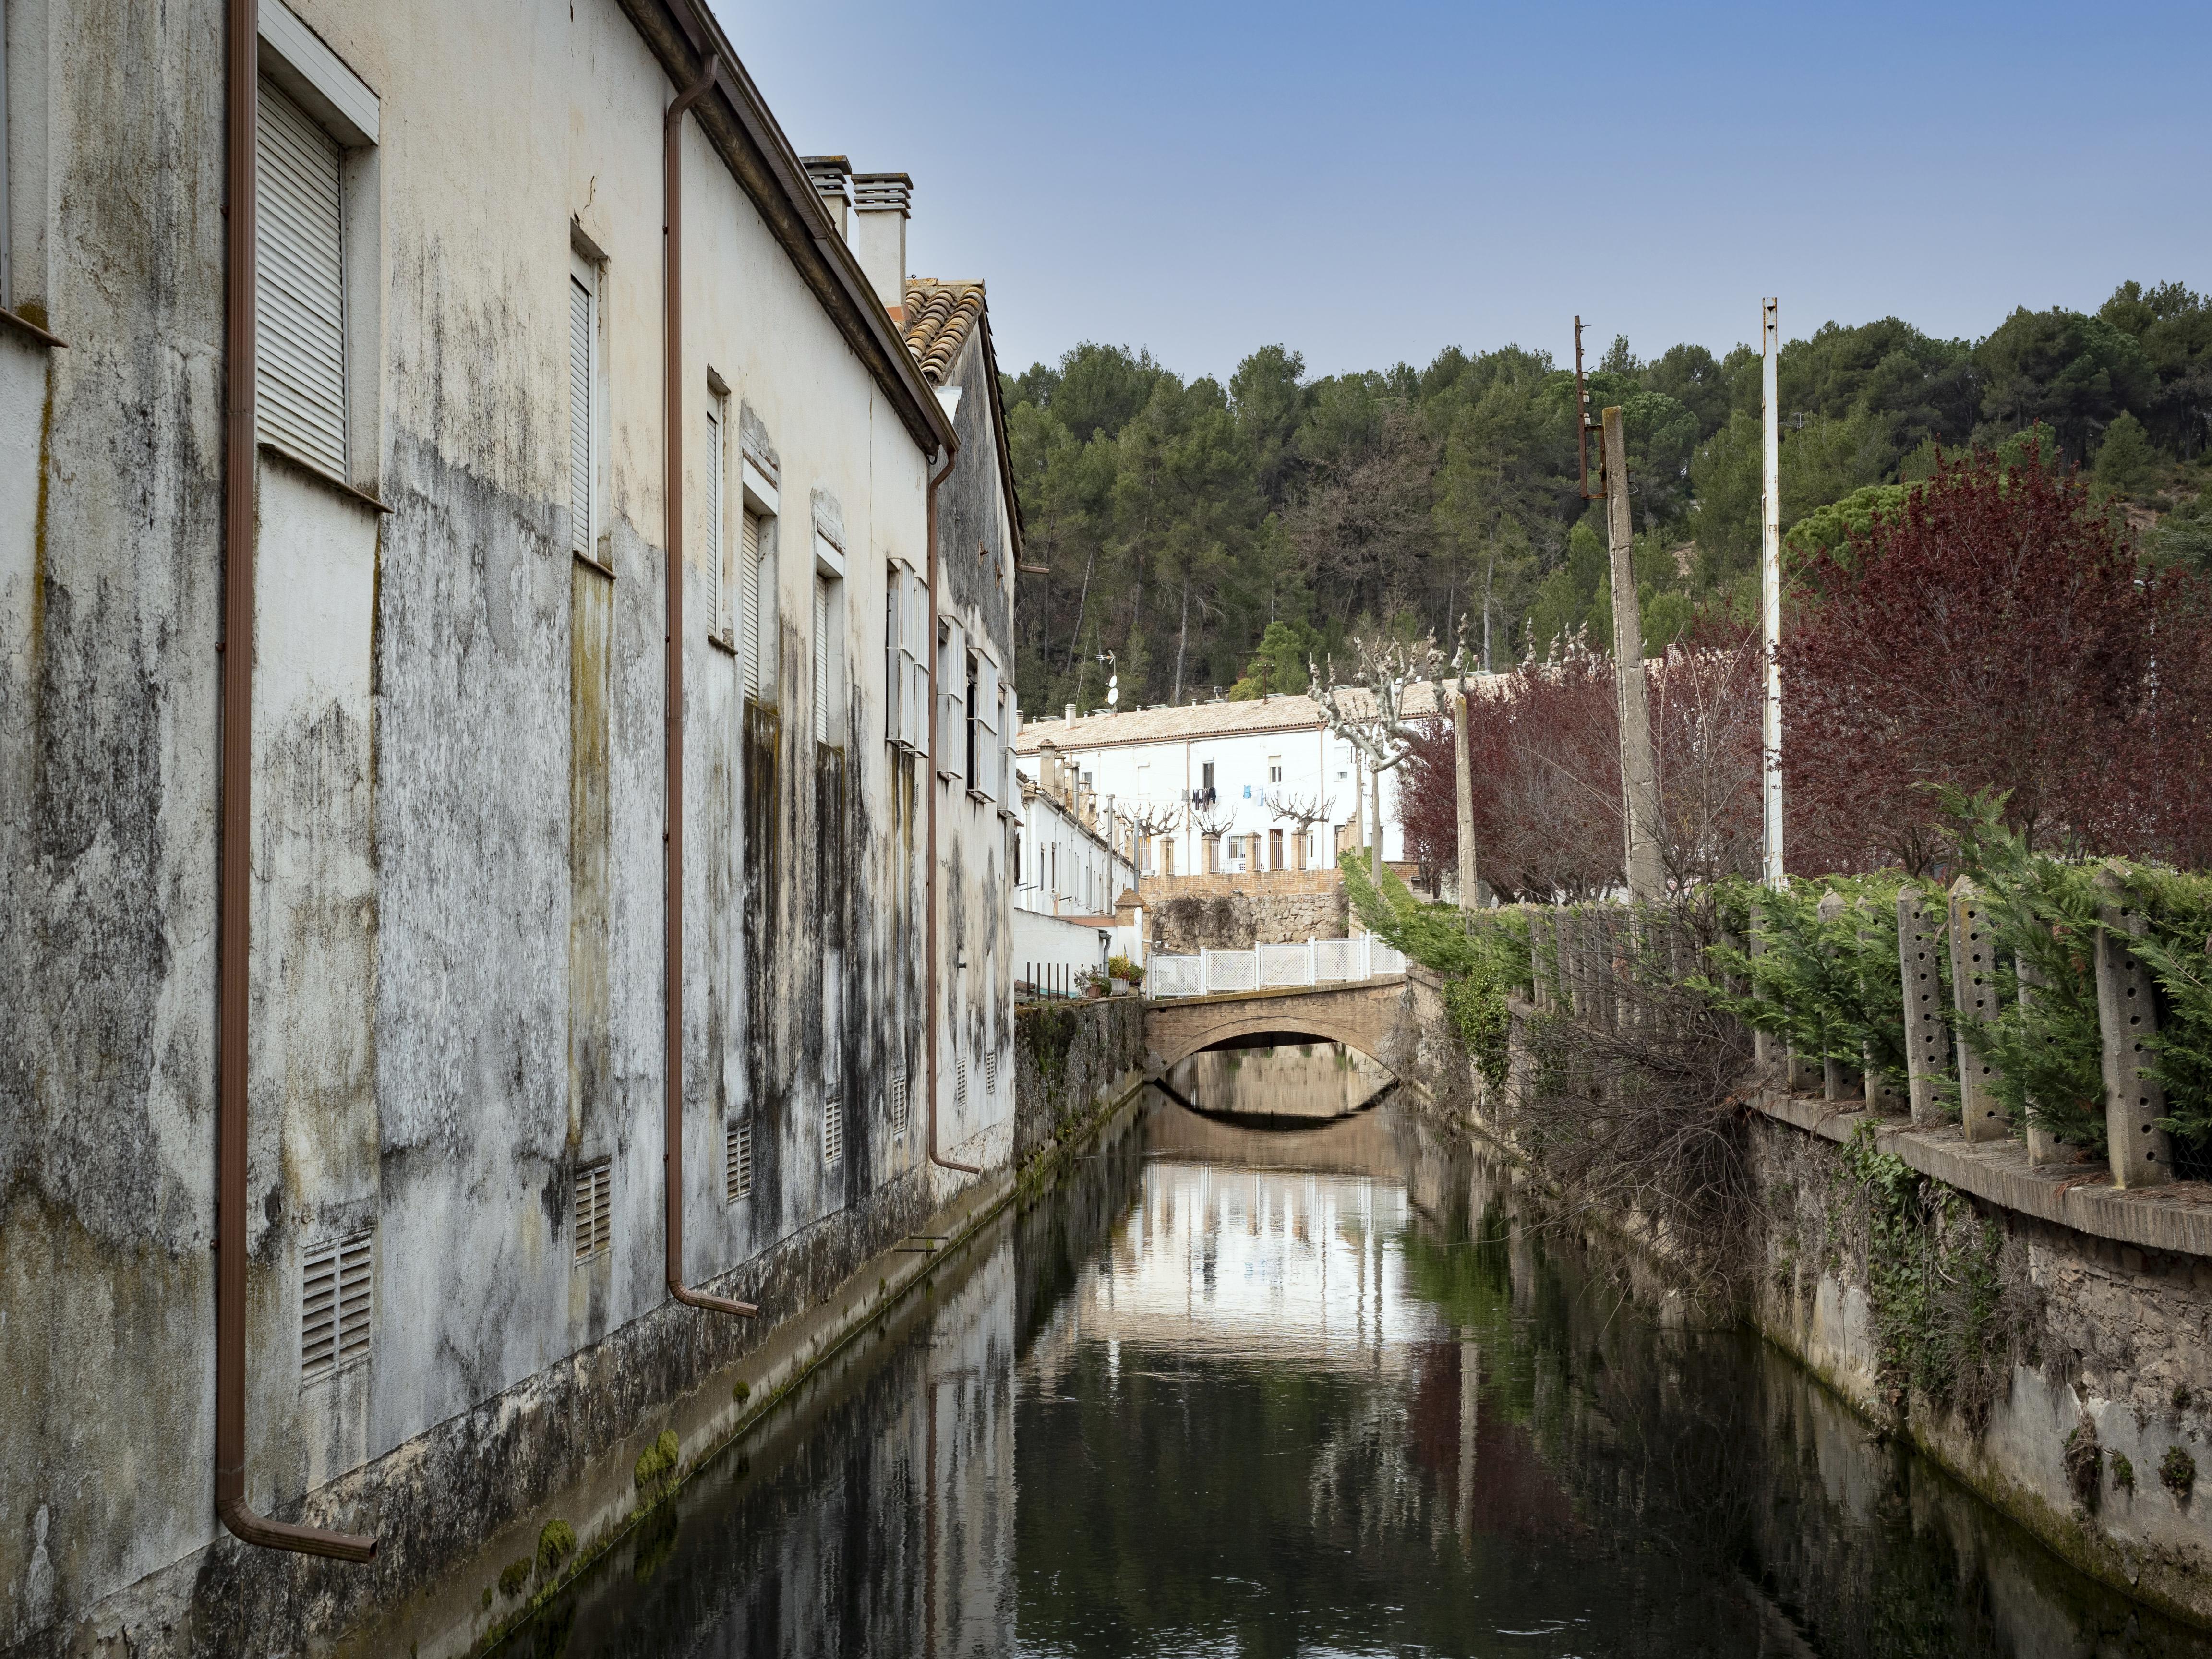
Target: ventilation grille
{"points": [[991, 1072], [833, 1130], [737, 1159], [334, 1306], [960, 1080], [594, 1209], [899, 1110]]}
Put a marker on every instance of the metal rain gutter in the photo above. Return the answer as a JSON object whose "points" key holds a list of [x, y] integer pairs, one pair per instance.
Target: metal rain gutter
{"points": [[233, 870], [672, 757]]}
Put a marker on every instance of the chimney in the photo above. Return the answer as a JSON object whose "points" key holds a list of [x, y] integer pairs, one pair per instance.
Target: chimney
{"points": [[1071, 713], [830, 175], [879, 216]]}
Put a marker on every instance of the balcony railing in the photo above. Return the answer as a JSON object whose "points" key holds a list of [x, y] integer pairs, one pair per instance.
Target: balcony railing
{"points": [[1272, 967]]}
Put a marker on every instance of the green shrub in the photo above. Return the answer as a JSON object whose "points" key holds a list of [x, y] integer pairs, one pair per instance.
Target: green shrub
{"points": [[1482, 955], [2123, 1472], [555, 1544], [1830, 987], [2177, 1473]]}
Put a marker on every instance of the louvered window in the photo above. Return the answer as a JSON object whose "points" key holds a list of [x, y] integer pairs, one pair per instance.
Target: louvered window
{"points": [[833, 1129], [335, 1305], [300, 377], [901, 1111], [951, 707], [583, 396], [914, 646], [737, 1159], [758, 583], [718, 622], [1010, 724], [895, 684], [594, 1209], [987, 728], [821, 659]]}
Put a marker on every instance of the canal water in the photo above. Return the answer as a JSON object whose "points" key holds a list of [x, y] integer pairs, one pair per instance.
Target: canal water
{"points": [[1316, 1390]]}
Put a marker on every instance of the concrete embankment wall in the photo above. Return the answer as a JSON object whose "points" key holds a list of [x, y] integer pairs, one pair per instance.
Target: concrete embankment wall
{"points": [[2049, 1341]]}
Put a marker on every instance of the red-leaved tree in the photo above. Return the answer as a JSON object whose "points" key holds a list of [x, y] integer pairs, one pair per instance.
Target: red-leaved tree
{"points": [[1993, 635]]}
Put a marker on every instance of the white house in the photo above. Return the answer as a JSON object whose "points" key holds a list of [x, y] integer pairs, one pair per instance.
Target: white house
{"points": [[1229, 788]]}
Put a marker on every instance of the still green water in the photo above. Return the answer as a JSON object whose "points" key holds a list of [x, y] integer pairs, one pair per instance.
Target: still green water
{"points": [[1318, 1391]]}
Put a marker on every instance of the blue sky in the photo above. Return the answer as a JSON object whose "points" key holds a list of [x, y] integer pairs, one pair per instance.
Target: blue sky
{"points": [[1372, 184]]}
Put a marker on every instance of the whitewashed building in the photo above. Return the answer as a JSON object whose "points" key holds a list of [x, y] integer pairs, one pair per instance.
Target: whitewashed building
{"points": [[1243, 787]]}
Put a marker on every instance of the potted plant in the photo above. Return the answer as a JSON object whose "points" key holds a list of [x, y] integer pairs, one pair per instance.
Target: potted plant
{"points": [[1125, 976]]}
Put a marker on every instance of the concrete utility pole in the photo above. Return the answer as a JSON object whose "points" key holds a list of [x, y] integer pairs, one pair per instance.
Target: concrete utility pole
{"points": [[1639, 769], [1465, 778], [1770, 590]]}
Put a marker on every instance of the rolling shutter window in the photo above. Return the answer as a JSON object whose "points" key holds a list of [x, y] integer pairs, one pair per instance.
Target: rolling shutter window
{"points": [[582, 319], [749, 565], [298, 293], [717, 622], [821, 659]]}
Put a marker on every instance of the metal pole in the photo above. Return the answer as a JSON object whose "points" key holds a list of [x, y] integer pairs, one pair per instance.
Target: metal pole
{"points": [[1463, 777], [1639, 770], [1770, 590]]}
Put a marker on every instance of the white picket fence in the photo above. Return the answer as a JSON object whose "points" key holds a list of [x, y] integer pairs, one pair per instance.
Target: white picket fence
{"points": [[1272, 967]]}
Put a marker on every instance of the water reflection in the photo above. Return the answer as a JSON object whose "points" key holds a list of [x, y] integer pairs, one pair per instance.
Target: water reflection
{"points": [[1319, 1391]]}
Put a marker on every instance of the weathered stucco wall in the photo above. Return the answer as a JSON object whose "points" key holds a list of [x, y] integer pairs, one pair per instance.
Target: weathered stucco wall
{"points": [[456, 982], [1230, 913]]}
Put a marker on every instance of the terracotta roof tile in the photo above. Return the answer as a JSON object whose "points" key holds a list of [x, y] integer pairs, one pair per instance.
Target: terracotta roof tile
{"points": [[937, 317]]}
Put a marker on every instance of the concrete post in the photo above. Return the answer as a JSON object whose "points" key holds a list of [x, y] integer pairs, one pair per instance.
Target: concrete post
{"points": [[1766, 1048], [1605, 972], [1974, 994], [1564, 930], [1639, 769], [1464, 776], [1838, 1082], [1919, 935], [1879, 1086], [1538, 935], [2127, 1014], [1205, 961], [2043, 1146]]}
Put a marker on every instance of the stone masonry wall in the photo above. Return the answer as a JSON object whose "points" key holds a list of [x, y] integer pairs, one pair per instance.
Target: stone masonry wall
{"points": [[1234, 913], [1066, 1056]]}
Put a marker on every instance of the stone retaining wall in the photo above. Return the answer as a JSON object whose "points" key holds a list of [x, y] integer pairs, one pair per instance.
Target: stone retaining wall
{"points": [[1068, 1056]]}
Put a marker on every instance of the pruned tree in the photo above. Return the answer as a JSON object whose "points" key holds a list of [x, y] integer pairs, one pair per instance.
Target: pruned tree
{"points": [[1369, 713], [1147, 820], [1302, 810]]}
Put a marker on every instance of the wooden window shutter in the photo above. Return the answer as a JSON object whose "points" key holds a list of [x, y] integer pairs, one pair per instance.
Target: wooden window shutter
{"points": [[582, 320], [914, 645], [894, 664], [951, 699], [986, 722], [299, 296], [717, 624], [821, 658], [749, 567]]}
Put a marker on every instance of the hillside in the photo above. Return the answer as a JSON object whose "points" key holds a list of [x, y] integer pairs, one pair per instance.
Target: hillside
{"points": [[1211, 537]]}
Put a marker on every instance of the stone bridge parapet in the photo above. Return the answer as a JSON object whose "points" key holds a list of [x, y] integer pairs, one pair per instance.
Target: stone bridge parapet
{"points": [[1362, 1015]]}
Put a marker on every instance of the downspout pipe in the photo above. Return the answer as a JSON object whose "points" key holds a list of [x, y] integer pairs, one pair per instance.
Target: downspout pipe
{"points": [[234, 873], [672, 371], [936, 737]]}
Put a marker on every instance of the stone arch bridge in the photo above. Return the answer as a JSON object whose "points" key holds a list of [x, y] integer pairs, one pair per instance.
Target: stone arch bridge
{"points": [[1361, 1015]]}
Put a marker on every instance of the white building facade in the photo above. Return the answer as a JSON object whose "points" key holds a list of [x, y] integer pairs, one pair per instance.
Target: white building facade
{"points": [[1239, 787]]}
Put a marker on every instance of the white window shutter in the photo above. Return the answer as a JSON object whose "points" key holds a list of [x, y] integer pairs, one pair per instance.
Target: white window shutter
{"points": [[986, 739], [299, 380], [748, 592], [716, 623], [914, 645], [894, 664], [1012, 725], [582, 305], [952, 700], [821, 658]]}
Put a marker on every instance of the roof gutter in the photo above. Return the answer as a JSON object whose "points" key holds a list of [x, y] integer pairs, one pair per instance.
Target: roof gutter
{"points": [[233, 872], [930, 779], [672, 376]]}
